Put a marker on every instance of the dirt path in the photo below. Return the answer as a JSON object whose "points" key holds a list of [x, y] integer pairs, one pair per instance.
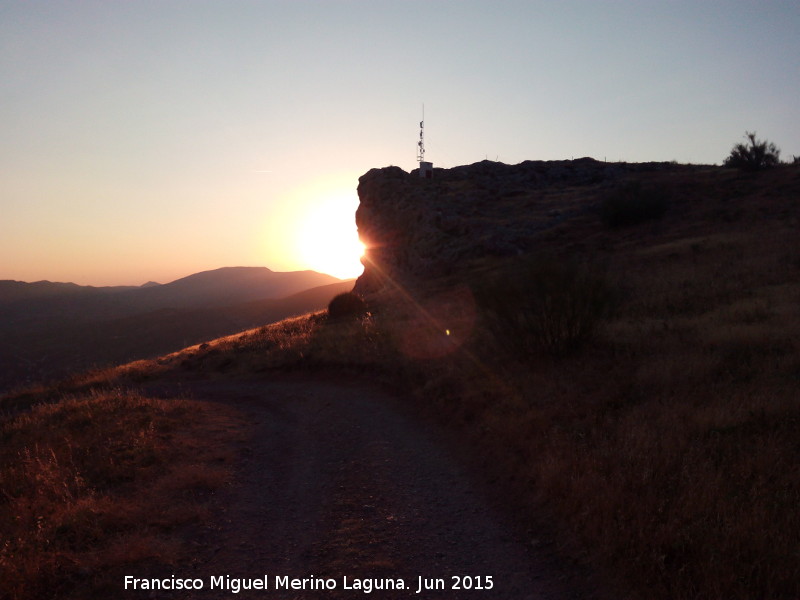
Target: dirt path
{"points": [[336, 481]]}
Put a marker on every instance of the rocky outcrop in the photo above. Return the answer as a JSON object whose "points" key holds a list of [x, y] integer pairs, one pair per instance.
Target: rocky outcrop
{"points": [[416, 228]]}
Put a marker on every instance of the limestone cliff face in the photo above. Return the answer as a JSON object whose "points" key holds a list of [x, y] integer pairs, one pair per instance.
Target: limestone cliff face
{"points": [[417, 229]]}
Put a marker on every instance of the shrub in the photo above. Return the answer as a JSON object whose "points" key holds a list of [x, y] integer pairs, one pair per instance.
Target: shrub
{"points": [[755, 155], [346, 305], [631, 203], [544, 305]]}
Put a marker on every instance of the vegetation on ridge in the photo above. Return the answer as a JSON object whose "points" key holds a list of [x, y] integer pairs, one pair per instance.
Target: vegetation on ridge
{"points": [[755, 155]]}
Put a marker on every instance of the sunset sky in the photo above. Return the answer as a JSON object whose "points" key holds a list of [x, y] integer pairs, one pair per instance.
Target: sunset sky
{"points": [[148, 140]]}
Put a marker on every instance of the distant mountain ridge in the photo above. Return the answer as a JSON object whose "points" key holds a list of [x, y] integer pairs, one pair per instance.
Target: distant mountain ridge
{"points": [[229, 285], [217, 287], [14, 291], [48, 329]]}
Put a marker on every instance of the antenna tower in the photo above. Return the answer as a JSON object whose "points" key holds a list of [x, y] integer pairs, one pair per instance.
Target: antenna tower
{"points": [[421, 143]]}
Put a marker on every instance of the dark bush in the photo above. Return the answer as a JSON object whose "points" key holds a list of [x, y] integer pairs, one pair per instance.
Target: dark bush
{"points": [[544, 305], [631, 203], [346, 305], [755, 155]]}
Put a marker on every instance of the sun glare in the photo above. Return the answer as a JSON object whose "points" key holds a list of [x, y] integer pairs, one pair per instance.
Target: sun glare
{"points": [[328, 239]]}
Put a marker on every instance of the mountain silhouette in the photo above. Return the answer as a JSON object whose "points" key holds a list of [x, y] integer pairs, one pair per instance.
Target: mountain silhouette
{"points": [[228, 285], [49, 329]]}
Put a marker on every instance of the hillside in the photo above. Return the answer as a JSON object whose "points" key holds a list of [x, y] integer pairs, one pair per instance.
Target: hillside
{"points": [[50, 329], [611, 349], [226, 286], [219, 287]]}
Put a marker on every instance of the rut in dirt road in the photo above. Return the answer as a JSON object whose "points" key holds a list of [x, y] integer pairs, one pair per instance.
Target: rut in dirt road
{"points": [[338, 482]]}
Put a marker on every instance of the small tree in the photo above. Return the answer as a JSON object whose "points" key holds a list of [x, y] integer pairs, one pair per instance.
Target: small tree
{"points": [[753, 156]]}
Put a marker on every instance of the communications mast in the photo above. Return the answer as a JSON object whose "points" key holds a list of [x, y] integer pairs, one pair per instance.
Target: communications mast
{"points": [[425, 168]]}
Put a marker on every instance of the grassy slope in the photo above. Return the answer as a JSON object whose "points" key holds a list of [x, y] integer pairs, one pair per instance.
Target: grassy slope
{"points": [[664, 452], [98, 483]]}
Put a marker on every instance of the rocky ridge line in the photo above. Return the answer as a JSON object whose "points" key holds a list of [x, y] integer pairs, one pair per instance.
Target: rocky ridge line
{"points": [[417, 229]]}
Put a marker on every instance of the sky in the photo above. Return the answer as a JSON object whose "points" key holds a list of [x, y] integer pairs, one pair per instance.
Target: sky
{"points": [[148, 140]]}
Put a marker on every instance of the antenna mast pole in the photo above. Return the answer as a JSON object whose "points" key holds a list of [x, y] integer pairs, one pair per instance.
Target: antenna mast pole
{"points": [[421, 143]]}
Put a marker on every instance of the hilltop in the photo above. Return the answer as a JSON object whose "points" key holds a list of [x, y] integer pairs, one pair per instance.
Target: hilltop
{"points": [[610, 350], [419, 229]]}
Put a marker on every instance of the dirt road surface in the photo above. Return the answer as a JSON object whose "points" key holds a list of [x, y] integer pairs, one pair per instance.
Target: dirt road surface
{"points": [[338, 481]]}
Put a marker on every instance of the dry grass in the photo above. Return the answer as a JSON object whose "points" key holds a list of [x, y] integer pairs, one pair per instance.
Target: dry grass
{"points": [[96, 483], [664, 452], [667, 453]]}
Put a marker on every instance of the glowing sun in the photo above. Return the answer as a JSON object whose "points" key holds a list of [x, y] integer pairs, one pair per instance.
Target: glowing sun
{"points": [[328, 239]]}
